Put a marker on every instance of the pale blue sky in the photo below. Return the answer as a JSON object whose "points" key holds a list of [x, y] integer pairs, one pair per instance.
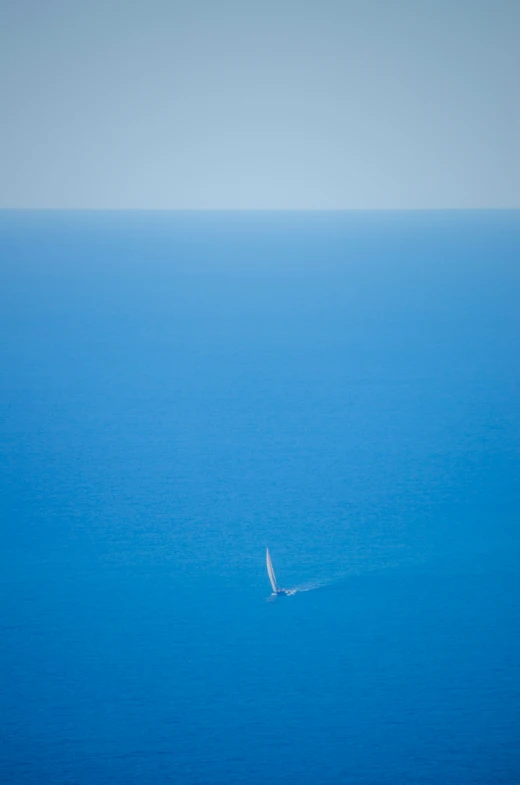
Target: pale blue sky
{"points": [[272, 104]]}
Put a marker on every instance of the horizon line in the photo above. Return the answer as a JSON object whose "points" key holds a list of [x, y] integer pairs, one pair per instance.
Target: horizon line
{"points": [[258, 209]]}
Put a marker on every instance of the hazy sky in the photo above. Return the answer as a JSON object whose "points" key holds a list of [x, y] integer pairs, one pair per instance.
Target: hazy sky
{"points": [[260, 103]]}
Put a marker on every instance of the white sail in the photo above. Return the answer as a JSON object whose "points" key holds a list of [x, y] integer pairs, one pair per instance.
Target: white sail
{"points": [[270, 571]]}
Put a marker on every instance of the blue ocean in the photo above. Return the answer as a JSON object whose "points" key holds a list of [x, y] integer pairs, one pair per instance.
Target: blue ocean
{"points": [[180, 391]]}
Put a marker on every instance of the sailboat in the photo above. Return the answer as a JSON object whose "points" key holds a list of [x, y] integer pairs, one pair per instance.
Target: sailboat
{"points": [[272, 577]]}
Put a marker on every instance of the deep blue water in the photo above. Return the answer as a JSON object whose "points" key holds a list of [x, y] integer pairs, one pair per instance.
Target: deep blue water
{"points": [[179, 391]]}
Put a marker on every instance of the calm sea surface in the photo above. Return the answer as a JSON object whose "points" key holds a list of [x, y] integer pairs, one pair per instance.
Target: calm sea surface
{"points": [[179, 391]]}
